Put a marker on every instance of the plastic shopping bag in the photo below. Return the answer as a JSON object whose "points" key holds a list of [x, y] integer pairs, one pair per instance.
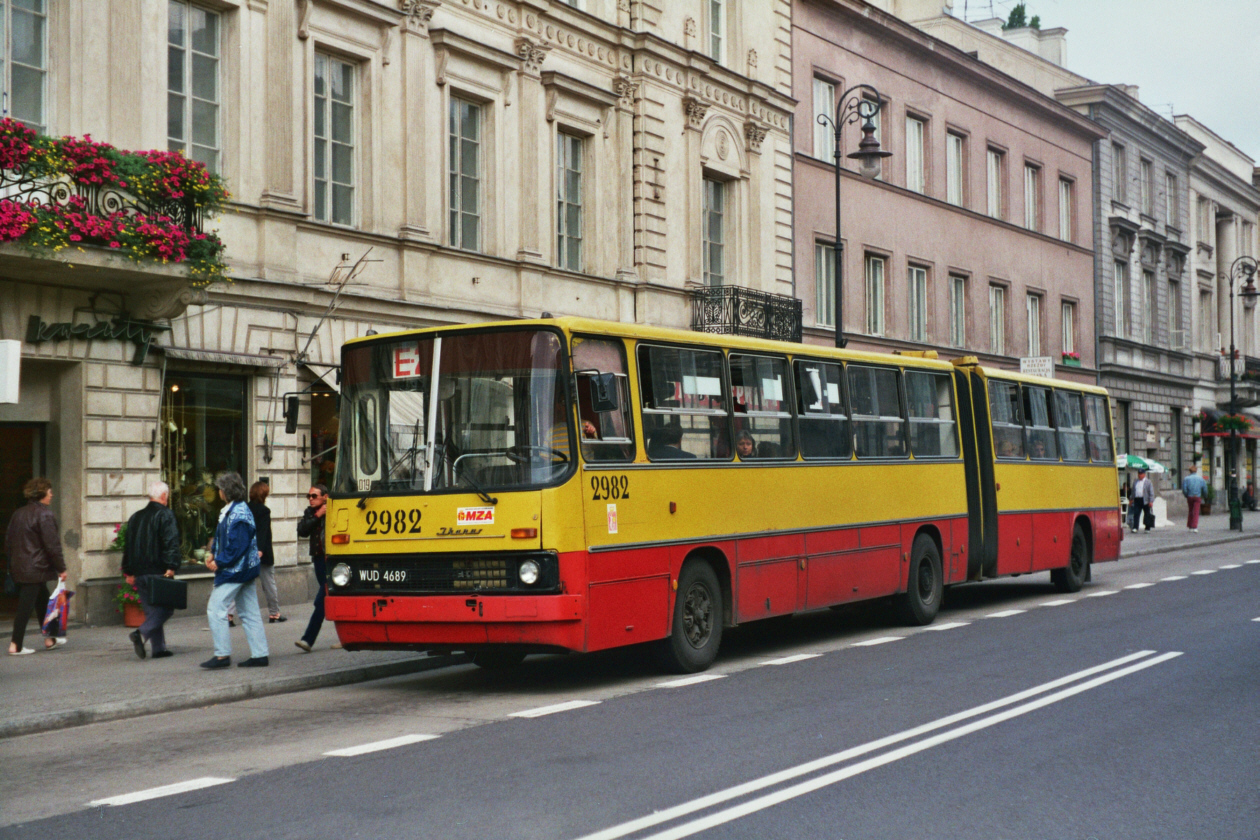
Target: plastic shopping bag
{"points": [[58, 611]]}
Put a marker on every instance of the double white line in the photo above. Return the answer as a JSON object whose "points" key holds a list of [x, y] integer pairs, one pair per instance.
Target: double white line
{"points": [[1114, 670]]}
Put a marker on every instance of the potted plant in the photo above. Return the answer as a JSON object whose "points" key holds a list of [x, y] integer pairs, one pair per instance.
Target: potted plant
{"points": [[1209, 495], [1072, 359], [127, 599]]}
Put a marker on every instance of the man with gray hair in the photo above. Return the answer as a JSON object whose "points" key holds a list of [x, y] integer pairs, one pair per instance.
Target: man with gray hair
{"points": [[151, 549]]}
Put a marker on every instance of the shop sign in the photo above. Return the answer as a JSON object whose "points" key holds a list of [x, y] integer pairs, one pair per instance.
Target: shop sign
{"points": [[139, 333]]}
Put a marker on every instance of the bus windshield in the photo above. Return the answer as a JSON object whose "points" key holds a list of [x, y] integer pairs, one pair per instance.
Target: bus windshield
{"points": [[494, 419]]}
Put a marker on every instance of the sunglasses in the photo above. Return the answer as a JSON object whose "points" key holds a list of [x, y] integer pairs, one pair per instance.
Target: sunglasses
{"points": [[314, 495]]}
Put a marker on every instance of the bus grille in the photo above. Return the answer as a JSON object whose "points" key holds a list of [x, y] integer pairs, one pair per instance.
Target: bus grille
{"points": [[446, 573]]}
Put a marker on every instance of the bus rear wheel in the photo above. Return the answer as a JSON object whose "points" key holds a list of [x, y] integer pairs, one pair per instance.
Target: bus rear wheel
{"points": [[925, 588], [693, 643], [1073, 577]]}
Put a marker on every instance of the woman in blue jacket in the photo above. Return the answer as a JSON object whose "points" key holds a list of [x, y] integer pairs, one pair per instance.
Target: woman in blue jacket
{"points": [[235, 563]]}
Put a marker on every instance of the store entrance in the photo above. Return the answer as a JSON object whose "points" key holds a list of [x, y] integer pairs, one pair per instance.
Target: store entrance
{"points": [[22, 457]]}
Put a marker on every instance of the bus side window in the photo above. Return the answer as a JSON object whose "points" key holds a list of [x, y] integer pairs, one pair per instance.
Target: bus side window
{"points": [[878, 419], [1098, 429], [825, 427], [933, 432], [685, 408], [1070, 420], [763, 417], [1041, 440], [1008, 419], [604, 435]]}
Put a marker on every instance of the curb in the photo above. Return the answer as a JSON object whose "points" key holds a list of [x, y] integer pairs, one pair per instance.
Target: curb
{"points": [[123, 709], [1184, 546]]}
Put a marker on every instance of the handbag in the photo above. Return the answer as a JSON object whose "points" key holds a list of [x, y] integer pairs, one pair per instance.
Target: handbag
{"points": [[1148, 518], [166, 592], [11, 587]]}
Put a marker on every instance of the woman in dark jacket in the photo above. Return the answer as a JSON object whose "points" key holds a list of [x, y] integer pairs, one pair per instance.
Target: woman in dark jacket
{"points": [[35, 558], [258, 493]]}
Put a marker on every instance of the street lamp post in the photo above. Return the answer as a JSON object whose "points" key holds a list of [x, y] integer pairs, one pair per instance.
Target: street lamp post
{"points": [[1244, 268], [860, 102]]}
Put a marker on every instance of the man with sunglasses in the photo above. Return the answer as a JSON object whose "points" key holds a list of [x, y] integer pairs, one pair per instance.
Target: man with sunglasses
{"points": [[311, 526]]}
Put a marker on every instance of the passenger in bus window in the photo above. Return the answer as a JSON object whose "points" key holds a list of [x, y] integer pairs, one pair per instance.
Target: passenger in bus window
{"points": [[744, 445], [664, 444], [589, 432], [1038, 448]]}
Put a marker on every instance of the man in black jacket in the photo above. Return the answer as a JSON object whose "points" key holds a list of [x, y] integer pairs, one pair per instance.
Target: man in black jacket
{"points": [[151, 549], [311, 526]]}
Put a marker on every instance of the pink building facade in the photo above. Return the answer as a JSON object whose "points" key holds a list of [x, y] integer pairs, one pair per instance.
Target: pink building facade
{"points": [[976, 238]]}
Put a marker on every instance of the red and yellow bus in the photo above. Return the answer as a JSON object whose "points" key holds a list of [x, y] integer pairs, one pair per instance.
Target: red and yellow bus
{"points": [[577, 485]]}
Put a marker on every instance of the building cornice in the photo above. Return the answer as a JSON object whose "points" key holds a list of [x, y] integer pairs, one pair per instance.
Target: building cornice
{"points": [[1130, 116]]}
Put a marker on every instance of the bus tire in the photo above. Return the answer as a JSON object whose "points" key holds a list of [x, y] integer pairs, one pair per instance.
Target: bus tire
{"points": [[497, 660], [693, 643], [1074, 575], [925, 588]]}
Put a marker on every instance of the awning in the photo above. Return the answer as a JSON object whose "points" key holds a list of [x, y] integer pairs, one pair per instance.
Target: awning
{"points": [[325, 374], [186, 354]]}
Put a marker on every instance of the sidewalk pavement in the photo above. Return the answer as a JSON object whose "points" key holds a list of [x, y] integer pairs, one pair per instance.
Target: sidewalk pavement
{"points": [[1213, 530], [97, 676]]}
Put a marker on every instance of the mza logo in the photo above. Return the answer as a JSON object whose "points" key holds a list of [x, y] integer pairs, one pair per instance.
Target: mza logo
{"points": [[472, 516]]}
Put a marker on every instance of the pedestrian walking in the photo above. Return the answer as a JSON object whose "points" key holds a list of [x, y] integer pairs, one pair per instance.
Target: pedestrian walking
{"points": [[258, 492], [152, 550], [35, 557], [1192, 488], [1143, 497], [235, 564], [311, 526]]}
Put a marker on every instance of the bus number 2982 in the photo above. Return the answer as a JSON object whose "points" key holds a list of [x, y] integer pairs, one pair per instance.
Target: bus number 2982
{"points": [[610, 487]]}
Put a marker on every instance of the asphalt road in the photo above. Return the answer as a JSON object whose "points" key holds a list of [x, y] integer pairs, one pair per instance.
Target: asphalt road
{"points": [[1020, 713]]}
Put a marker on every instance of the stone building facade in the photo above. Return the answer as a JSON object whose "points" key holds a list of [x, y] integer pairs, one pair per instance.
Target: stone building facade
{"points": [[1142, 279], [975, 238], [393, 164]]}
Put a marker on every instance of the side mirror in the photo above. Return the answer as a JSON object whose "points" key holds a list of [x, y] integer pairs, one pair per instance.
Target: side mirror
{"points": [[604, 392], [291, 404]]}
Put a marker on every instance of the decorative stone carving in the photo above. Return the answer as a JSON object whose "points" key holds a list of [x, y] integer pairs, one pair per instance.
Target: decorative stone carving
{"points": [[157, 304], [755, 133], [626, 90], [689, 32], [1175, 258], [752, 62], [1151, 245], [696, 109], [419, 13], [1123, 233], [304, 22], [531, 55]]}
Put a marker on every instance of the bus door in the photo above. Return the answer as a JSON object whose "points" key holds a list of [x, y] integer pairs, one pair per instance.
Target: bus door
{"points": [[1013, 486], [971, 467], [987, 566]]}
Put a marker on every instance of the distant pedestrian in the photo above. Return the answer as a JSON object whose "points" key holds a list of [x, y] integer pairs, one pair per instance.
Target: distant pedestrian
{"points": [[152, 550], [311, 526], [258, 492], [1192, 488], [1143, 497], [35, 557], [235, 565]]}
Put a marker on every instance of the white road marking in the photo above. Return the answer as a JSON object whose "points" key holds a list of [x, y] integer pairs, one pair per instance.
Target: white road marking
{"points": [[1058, 603], [1173, 577], [828, 779], [1255, 619], [882, 640], [1102, 593], [1232, 566], [376, 746], [1005, 613], [788, 660], [164, 790], [1204, 572], [1251, 562], [721, 796], [1138, 585], [949, 626], [685, 681], [551, 710]]}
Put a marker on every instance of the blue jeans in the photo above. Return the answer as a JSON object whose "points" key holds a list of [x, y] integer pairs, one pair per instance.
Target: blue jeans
{"points": [[247, 612], [317, 617]]}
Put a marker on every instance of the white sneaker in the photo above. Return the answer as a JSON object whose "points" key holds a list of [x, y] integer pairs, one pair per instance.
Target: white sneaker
{"points": [[1194, 530], [23, 652]]}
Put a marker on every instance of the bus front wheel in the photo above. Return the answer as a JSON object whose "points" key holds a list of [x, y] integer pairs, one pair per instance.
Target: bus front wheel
{"points": [[925, 588], [1074, 576], [693, 643]]}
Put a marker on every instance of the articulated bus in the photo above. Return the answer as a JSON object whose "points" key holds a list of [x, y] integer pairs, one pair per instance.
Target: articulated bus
{"points": [[576, 485]]}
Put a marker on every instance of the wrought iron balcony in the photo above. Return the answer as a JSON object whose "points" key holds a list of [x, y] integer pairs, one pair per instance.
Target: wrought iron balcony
{"points": [[735, 310]]}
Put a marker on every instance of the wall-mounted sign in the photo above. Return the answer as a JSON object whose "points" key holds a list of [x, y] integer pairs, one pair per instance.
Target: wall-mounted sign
{"points": [[1037, 366], [139, 333]]}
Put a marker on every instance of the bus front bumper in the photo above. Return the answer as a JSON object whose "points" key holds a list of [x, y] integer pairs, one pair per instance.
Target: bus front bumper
{"points": [[443, 621]]}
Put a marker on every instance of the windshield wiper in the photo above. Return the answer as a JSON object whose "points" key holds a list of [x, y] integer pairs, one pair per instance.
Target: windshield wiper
{"points": [[488, 499]]}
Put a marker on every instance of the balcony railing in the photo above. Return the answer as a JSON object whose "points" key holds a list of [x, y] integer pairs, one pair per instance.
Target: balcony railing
{"points": [[735, 310]]}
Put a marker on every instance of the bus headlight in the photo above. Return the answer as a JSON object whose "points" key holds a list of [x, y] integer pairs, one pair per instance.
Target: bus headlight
{"points": [[529, 572], [341, 575]]}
